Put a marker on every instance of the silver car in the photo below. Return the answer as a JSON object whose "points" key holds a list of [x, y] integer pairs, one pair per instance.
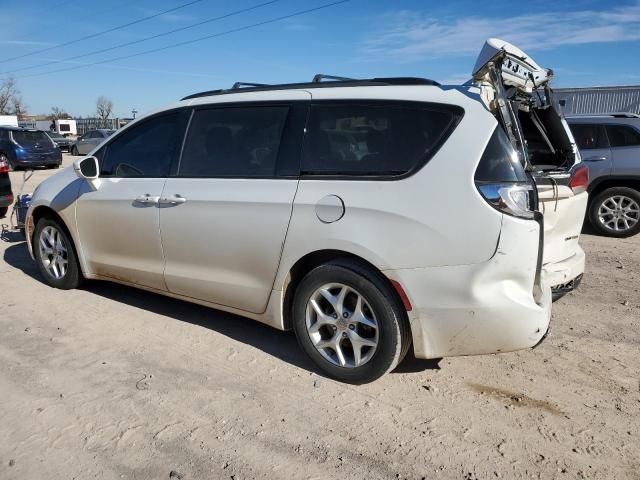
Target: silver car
{"points": [[90, 140], [610, 146]]}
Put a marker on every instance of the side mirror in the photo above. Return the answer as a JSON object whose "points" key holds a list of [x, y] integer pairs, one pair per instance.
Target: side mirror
{"points": [[87, 168]]}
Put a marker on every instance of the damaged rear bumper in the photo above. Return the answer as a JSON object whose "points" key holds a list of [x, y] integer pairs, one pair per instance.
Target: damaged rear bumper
{"points": [[482, 308]]}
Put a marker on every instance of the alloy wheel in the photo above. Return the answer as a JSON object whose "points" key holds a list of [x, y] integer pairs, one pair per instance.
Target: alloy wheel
{"points": [[619, 213], [341, 325], [54, 254]]}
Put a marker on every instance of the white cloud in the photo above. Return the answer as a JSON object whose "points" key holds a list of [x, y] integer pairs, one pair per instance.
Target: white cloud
{"points": [[26, 42], [409, 35]]}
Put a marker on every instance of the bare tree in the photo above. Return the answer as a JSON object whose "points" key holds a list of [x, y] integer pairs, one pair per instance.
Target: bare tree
{"points": [[19, 107], [57, 113], [8, 93], [104, 107]]}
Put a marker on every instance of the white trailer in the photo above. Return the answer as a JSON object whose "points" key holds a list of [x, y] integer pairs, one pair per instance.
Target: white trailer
{"points": [[8, 121], [63, 127]]}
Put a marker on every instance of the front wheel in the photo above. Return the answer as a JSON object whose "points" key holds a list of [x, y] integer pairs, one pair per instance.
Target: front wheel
{"points": [[55, 255], [349, 322], [615, 212], [3, 211]]}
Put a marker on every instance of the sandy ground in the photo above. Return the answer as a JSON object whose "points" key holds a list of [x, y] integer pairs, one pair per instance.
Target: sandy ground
{"points": [[114, 383]]}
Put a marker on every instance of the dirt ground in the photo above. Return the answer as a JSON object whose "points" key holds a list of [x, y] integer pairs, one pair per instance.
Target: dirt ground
{"points": [[110, 382]]}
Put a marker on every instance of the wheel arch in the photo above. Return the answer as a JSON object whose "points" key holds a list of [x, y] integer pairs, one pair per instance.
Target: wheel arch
{"points": [[45, 211], [602, 183], [314, 259]]}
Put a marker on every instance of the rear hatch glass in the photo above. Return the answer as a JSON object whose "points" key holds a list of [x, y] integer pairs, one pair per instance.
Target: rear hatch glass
{"points": [[32, 140]]}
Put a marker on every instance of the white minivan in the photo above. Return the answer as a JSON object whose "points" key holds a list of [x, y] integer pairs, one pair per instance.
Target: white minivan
{"points": [[369, 216]]}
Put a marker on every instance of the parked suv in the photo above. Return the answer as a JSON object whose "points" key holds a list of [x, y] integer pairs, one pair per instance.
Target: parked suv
{"points": [[22, 147], [368, 216], [610, 146]]}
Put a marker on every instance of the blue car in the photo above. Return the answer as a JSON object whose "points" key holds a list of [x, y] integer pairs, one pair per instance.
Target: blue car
{"points": [[26, 148]]}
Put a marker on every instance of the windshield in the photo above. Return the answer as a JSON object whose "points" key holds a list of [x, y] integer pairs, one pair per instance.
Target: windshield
{"points": [[30, 138], [55, 135], [109, 132]]}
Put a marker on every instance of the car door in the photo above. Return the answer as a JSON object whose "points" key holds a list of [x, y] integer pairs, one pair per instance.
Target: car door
{"points": [[625, 148], [118, 222], [224, 217], [594, 148]]}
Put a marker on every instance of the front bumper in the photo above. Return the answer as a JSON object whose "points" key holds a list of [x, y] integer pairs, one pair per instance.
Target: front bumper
{"points": [[482, 308]]}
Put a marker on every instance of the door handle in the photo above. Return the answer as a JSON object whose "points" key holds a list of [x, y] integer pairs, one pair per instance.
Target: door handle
{"points": [[175, 200], [595, 159], [147, 199]]}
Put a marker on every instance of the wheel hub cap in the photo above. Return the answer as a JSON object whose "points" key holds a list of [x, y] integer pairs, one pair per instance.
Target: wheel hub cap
{"points": [[53, 252], [341, 325], [619, 213]]}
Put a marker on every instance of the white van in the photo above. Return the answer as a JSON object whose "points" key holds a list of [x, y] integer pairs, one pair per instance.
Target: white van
{"points": [[368, 216]]}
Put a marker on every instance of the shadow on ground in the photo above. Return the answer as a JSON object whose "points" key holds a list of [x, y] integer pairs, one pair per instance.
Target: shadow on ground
{"points": [[282, 345]]}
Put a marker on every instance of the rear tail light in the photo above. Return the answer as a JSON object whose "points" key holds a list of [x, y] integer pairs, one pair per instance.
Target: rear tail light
{"points": [[4, 166], [511, 198], [579, 179], [502, 181]]}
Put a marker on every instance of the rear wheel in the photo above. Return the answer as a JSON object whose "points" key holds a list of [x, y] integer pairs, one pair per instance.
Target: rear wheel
{"points": [[615, 212], [349, 322], [55, 255], [74, 151]]}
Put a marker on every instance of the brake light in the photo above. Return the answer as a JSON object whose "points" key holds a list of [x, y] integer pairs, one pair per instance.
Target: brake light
{"points": [[579, 179], [4, 166]]}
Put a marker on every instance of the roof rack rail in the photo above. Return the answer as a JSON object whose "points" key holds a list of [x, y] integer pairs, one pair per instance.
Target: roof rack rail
{"points": [[319, 77], [624, 115], [317, 83], [239, 85]]}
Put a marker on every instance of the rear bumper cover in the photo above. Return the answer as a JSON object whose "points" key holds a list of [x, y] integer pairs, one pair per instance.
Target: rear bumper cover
{"points": [[482, 308], [566, 271]]}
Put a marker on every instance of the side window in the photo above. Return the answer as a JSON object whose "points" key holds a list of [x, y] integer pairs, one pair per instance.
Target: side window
{"points": [[589, 137], [374, 140], [623, 136], [233, 142], [147, 149]]}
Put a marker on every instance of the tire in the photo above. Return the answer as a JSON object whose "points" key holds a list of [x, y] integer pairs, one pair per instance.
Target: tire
{"points": [[623, 201], [74, 151], [381, 330], [72, 276], [3, 211], [53, 167]]}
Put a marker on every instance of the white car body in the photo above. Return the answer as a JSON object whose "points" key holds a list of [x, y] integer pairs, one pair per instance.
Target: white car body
{"points": [[473, 284]]}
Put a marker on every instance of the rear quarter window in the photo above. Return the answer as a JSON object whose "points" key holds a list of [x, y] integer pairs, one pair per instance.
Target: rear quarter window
{"points": [[500, 162], [375, 140], [623, 136]]}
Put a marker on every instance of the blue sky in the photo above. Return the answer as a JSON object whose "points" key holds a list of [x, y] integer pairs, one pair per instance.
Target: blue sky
{"points": [[586, 42]]}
